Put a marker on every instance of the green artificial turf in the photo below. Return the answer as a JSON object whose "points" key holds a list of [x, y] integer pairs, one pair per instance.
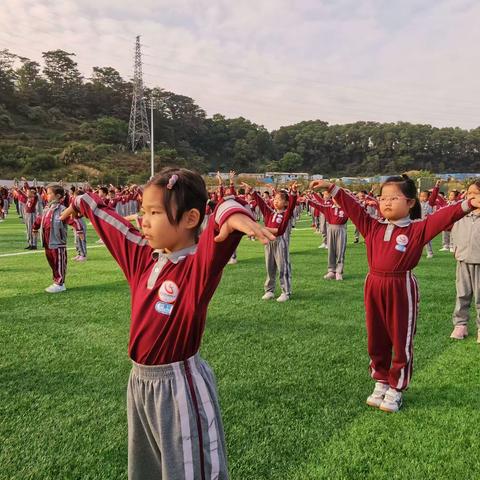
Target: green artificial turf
{"points": [[292, 377]]}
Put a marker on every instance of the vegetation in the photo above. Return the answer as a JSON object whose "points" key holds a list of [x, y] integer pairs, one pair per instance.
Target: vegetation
{"points": [[55, 123]]}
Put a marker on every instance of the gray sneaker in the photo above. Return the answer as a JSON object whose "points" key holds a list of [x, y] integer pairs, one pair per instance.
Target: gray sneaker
{"points": [[392, 401]]}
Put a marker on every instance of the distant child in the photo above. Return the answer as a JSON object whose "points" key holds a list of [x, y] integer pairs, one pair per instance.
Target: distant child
{"points": [[80, 237], [336, 236], [29, 201], [54, 236], [277, 254], [466, 233], [394, 247], [447, 240], [427, 203], [174, 425]]}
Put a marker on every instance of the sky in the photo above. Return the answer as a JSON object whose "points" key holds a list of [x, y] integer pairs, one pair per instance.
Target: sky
{"points": [[276, 62]]}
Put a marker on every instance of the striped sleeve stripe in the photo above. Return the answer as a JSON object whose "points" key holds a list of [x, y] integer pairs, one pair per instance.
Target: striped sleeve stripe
{"points": [[207, 405], [226, 207], [111, 220], [181, 398]]}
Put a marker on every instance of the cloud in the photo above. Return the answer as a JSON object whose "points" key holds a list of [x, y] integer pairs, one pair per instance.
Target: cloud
{"points": [[276, 62]]}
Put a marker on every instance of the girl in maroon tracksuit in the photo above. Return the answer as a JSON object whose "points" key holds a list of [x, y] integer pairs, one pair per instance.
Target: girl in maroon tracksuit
{"points": [[54, 236], [174, 426], [394, 248]]}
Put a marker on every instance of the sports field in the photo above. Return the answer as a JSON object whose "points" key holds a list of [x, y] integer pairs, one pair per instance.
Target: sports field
{"points": [[292, 377]]}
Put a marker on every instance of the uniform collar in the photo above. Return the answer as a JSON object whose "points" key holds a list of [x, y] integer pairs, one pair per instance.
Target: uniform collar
{"points": [[174, 257], [402, 222]]}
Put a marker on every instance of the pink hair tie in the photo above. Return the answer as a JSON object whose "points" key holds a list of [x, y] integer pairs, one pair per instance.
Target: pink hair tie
{"points": [[172, 181]]}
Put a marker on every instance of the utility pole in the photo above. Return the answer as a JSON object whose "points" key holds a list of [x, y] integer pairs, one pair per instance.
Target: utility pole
{"points": [[152, 154], [138, 134]]}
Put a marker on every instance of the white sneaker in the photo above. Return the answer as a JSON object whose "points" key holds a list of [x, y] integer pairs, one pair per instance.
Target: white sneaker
{"points": [[323, 245], [232, 261], [392, 401], [80, 258], [452, 250], [283, 298], [338, 276], [444, 249], [329, 276], [268, 296], [100, 242], [54, 288], [378, 394], [429, 255]]}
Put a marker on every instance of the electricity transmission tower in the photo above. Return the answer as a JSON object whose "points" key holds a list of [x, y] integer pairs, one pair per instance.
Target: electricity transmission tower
{"points": [[138, 132]]}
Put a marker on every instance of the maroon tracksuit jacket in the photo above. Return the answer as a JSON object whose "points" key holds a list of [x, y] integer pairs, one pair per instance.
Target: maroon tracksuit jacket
{"points": [[391, 290], [273, 218], [170, 292]]}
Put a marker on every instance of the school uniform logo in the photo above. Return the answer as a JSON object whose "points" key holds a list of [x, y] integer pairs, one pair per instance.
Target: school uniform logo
{"points": [[279, 218], [167, 293], [402, 242]]}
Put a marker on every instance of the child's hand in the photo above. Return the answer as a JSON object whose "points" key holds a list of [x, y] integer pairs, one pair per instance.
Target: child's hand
{"points": [[247, 187], [244, 224], [438, 183], [80, 235], [35, 233], [320, 184], [232, 175]]}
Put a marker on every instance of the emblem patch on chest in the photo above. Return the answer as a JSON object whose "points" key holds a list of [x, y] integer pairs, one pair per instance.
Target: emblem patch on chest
{"points": [[402, 242], [167, 293]]}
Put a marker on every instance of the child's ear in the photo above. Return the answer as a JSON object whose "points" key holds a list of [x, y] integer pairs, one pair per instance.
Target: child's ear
{"points": [[191, 218], [411, 202]]}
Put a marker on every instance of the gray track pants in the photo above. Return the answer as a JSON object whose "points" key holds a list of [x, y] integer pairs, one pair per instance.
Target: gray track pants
{"points": [[29, 221], [468, 287], [337, 244], [81, 244], [277, 257], [447, 239], [175, 430], [323, 227]]}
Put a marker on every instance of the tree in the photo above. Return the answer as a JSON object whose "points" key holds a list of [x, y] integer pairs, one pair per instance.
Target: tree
{"points": [[64, 81], [7, 78], [291, 162]]}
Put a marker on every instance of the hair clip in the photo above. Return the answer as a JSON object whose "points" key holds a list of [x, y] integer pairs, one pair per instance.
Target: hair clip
{"points": [[172, 181]]}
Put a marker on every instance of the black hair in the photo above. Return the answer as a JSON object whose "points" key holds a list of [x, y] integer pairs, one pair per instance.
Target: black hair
{"points": [[104, 190], [189, 191], [283, 194], [476, 183], [409, 189], [57, 189]]}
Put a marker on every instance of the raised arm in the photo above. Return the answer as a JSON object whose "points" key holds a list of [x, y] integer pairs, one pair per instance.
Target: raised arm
{"points": [[124, 242], [445, 217]]}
